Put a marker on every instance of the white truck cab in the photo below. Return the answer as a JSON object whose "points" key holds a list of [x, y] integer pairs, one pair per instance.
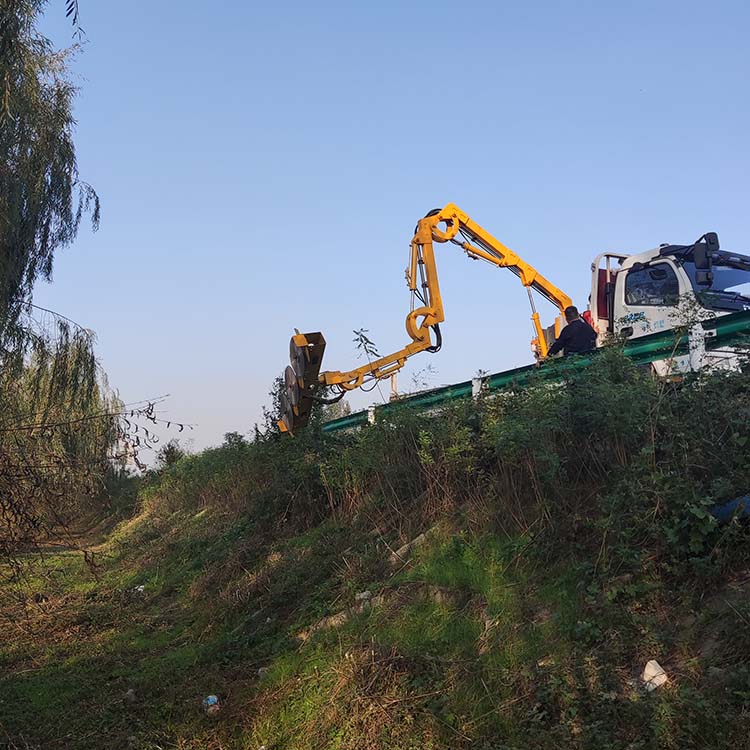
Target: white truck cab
{"points": [[668, 287]]}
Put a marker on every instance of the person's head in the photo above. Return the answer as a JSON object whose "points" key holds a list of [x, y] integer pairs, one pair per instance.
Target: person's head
{"points": [[571, 314]]}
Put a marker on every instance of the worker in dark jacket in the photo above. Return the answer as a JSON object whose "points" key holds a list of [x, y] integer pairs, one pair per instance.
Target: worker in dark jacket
{"points": [[577, 337]]}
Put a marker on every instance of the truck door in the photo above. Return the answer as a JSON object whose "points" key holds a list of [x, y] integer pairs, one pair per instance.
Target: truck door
{"points": [[646, 299]]}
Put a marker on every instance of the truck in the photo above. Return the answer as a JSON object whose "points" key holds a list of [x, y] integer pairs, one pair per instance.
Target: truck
{"points": [[632, 295]]}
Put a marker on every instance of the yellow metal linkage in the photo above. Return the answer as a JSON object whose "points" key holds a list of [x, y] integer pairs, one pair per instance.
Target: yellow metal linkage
{"points": [[458, 228]]}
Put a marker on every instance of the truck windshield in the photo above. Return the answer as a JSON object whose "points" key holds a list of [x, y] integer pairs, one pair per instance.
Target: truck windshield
{"points": [[730, 288]]}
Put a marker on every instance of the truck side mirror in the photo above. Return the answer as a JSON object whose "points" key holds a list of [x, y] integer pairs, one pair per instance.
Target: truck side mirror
{"points": [[703, 252], [704, 249], [700, 256]]}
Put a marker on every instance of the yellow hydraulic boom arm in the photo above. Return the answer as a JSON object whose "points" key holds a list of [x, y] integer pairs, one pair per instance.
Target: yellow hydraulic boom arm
{"points": [[449, 224]]}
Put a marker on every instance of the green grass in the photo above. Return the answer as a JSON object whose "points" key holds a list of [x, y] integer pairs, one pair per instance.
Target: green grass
{"points": [[477, 640]]}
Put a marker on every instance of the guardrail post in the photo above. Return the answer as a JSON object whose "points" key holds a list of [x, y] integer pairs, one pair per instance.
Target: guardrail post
{"points": [[696, 346], [476, 386]]}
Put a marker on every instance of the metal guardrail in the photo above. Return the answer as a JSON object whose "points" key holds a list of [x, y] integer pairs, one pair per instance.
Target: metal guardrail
{"points": [[729, 330]]}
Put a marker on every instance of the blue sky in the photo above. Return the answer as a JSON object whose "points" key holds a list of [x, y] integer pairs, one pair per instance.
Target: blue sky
{"points": [[262, 166]]}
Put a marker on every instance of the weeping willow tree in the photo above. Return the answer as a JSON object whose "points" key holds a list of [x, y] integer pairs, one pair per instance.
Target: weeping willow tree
{"points": [[61, 428], [42, 199], [58, 432]]}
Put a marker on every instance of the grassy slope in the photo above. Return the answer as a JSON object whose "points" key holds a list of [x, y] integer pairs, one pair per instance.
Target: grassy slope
{"points": [[494, 652], [493, 636]]}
